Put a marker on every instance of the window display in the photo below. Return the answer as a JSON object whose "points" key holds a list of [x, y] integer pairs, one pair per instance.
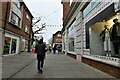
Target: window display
{"points": [[105, 38], [13, 46], [105, 35], [7, 45], [115, 35]]}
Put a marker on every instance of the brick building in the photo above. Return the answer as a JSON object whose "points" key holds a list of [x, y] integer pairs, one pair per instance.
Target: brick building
{"points": [[16, 27], [57, 38]]}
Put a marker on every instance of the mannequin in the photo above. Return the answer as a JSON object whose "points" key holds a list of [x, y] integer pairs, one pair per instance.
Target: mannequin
{"points": [[105, 35]]}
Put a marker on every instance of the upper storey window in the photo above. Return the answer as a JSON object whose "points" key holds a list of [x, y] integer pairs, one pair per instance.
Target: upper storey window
{"points": [[17, 3], [59, 35], [15, 19], [27, 16], [71, 2]]}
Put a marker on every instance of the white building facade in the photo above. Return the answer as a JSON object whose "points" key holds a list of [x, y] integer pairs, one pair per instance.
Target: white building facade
{"points": [[89, 20]]}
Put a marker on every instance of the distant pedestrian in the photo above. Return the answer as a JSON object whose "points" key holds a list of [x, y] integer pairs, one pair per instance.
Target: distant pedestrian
{"points": [[59, 48], [40, 49], [50, 49], [54, 49], [13, 47]]}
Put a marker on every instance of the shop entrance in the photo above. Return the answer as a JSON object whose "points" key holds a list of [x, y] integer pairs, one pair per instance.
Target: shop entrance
{"points": [[7, 45], [13, 46]]}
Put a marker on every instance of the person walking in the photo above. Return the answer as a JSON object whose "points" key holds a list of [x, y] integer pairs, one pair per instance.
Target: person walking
{"points": [[40, 49], [50, 49], [54, 49], [59, 48]]}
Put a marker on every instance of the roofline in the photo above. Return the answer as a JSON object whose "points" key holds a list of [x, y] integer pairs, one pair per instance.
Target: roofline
{"points": [[57, 32], [28, 9]]}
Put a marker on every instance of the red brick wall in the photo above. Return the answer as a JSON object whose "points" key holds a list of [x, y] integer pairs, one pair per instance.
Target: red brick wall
{"points": [[11, 27], [25, 21], [66, 7], [112, 70], [55, 37]]}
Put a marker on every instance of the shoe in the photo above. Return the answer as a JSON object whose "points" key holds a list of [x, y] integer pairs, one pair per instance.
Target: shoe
{"points": [[41, 71], [38, 71]]}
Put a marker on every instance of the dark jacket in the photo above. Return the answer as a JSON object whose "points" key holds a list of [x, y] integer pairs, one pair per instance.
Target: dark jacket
{"points": [[102, 34], [40, 50], [114, 35]]}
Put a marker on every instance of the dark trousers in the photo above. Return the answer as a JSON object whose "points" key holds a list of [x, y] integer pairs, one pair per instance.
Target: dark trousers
{"points": [[54, 51], [40, 63], [116, 45]]}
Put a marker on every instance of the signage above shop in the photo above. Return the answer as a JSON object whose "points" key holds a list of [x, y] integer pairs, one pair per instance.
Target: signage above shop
{"points": [[7, 38]]}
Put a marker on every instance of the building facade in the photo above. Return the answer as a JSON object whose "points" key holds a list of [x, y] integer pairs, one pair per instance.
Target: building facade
{"points": [[81, 33], [57, 38], [16, 26]]}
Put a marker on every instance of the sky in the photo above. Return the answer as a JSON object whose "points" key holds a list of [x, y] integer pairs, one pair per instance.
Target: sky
{"points": [[50, 12]]}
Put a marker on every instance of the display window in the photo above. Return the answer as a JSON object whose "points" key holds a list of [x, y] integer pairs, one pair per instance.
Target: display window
{"points": [[7, 45], [13, 45], [105, 37]]}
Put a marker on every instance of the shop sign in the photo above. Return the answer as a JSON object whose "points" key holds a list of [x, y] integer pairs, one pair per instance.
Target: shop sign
{"points": [[7, 38]]}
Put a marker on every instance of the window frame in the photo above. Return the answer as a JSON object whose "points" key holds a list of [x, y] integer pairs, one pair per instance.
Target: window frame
{"points": [[15, 19], [27, 27], [27, 16], [17, 4]]}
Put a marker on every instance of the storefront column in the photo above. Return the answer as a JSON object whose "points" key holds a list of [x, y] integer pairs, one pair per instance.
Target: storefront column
{"points": [[1, 43], [1, 52], [20, 46], [78, 57]]}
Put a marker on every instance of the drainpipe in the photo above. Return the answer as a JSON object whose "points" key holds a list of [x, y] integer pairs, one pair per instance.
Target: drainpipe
{"points": [[5, 25], [29, 44]]}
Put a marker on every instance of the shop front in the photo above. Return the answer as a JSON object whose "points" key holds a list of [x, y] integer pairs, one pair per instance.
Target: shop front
{"points": [[11, 45], [71, 38], [94, 32], [24, 45], [99, 46], [98, 29]]}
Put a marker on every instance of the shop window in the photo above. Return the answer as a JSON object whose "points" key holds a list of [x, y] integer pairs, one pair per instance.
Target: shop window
{"points": [[26, 45], [23, 45], [13, 45], [7, 45], [71, 2], [26, 29], [90, 7], [15, 19], [72, 26], [58, 40], [17, 3], [71, 44], [59, 35], [27, 16]]}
